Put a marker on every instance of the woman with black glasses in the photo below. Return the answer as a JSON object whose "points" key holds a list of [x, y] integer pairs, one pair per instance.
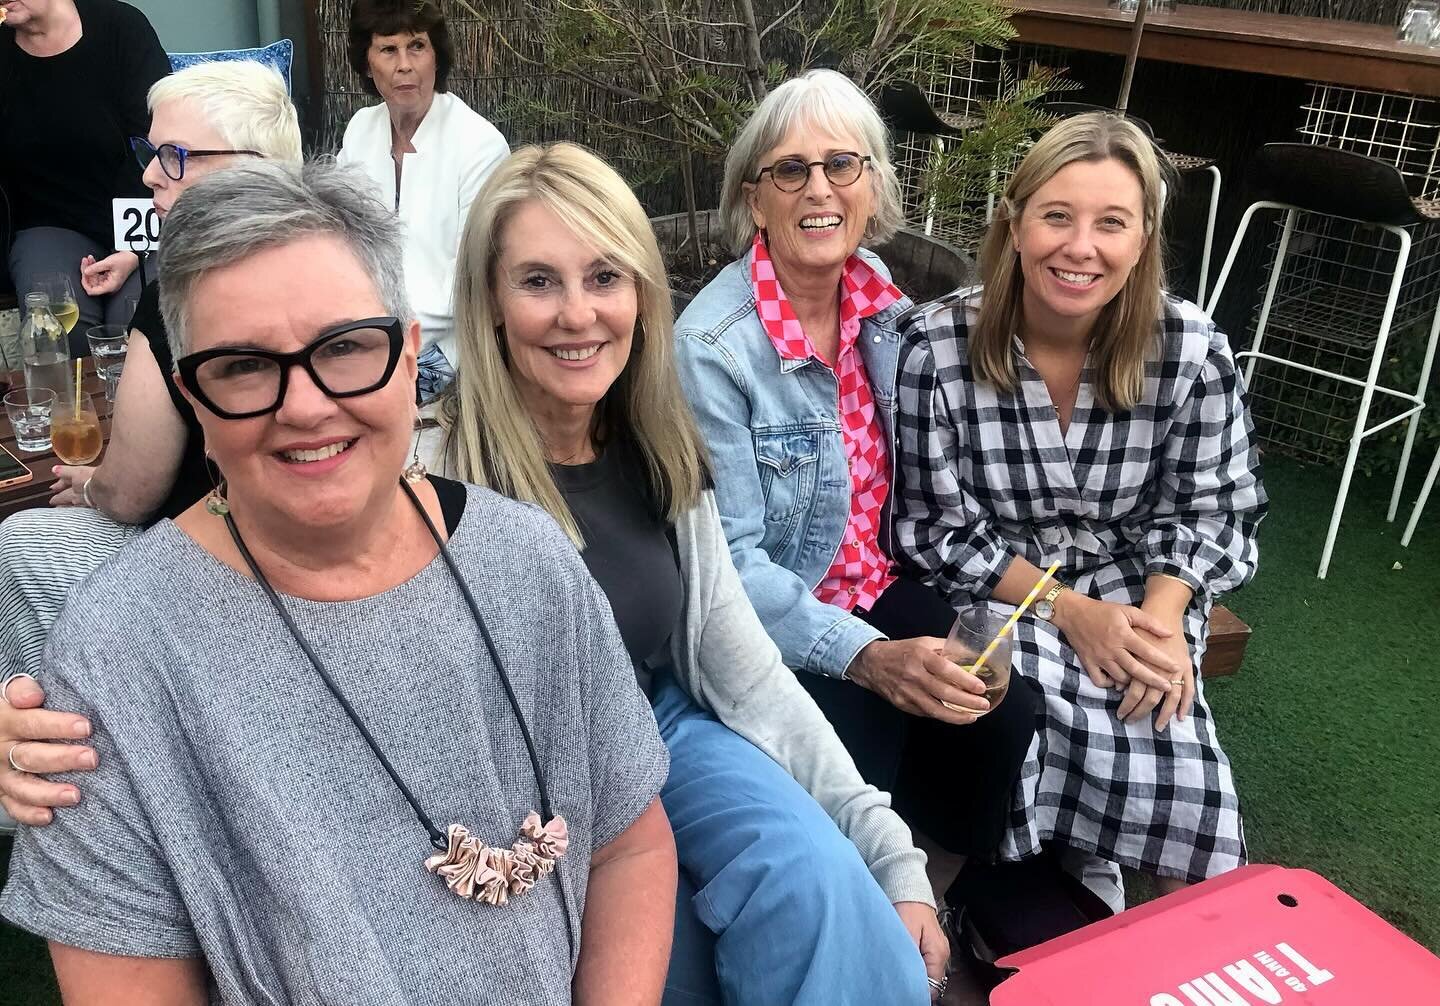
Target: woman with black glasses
{"points": [[73, 78], [277, 822], [154, 464]]}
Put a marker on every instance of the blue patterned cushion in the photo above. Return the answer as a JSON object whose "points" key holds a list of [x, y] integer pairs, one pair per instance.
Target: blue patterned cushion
{"points": [[277, 54]]}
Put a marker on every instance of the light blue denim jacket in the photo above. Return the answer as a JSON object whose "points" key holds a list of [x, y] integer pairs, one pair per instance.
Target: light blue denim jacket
{"points": [[781, 480]]}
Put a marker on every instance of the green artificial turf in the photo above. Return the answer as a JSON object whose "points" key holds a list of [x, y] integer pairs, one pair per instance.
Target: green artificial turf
{"points": [[1332, 724]]}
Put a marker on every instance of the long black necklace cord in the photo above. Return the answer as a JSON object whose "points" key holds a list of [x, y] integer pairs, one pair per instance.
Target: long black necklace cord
{"points": [[438, 838]]}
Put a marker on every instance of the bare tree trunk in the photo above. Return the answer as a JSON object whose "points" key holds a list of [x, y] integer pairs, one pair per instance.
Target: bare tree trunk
{"points": [[687, 174], [754, 62], [1132, 57]]}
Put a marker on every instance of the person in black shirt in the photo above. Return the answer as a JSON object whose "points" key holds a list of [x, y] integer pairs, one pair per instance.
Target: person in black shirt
{"points": [[154, 465], [73, 80]]}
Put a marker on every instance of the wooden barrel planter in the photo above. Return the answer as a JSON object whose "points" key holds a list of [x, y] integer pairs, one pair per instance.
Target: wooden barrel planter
{"points": [[924, 267]]}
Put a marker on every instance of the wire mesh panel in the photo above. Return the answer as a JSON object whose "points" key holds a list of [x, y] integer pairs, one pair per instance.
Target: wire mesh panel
{"points": [[956, 89], [1337, 275]]}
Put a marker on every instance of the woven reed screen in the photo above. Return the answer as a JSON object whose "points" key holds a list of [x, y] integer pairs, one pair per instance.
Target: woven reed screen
{"points": [[504, 88]]}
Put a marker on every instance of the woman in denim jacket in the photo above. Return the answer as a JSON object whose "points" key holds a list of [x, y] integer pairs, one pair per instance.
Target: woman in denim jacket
{"points": [[789, 358]]}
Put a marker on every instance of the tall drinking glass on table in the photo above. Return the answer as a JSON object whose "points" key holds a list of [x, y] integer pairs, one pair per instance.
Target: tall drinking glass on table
{"points": [[107, 348]]}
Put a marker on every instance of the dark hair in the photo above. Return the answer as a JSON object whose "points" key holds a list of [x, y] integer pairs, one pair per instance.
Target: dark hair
{"points": [[369, 18]]}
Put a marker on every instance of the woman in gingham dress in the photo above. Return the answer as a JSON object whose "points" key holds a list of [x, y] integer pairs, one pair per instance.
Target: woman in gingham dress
{"points": [[1075, 412]]}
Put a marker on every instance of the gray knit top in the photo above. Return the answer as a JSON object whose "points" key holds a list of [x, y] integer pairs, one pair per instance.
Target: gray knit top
{"points": [[241, 817]]}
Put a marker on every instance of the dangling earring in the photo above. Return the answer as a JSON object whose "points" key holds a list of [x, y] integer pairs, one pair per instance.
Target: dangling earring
{"points": [[216, 503], [415, 471]]}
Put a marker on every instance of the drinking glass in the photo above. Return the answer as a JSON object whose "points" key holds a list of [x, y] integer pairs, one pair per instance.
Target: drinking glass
{"points": [[29, 411], [974, 627], [75, 432], [1418, 23], [62, 297], [107, 346]]}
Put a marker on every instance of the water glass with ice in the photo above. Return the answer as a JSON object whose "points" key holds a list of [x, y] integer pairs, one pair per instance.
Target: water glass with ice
{"points": [[29, 411], [107, 347]]}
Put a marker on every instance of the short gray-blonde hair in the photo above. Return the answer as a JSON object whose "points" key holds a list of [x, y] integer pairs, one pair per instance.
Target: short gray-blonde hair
{"points": [[823, 99], [241, 210], [245, 101]]}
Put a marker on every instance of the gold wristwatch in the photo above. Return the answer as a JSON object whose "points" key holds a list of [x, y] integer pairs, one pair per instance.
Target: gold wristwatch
{"points": [[1045, 607]]}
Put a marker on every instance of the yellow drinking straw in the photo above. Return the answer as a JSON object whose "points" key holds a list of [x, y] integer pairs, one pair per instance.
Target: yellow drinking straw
{"points": [[77, 387], [1005, 629]]}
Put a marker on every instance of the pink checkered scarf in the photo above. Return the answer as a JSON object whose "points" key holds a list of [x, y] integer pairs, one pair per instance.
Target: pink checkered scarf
{"points": [[861, 571]]}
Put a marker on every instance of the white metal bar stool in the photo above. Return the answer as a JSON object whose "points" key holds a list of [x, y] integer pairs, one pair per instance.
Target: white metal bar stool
{"points": [[1301, 177], [1420, 502]]}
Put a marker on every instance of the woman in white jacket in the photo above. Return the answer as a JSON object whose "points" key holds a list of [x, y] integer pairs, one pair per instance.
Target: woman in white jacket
{"points": [[427, 152], [568, 398]]}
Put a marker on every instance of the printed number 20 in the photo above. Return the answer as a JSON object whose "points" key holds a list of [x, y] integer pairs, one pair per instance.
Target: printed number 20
{"points": [[150, 221]]}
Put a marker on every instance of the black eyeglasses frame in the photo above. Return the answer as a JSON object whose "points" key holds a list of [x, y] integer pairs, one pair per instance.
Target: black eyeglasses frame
{"points": [[139, 143], [810, 167], [188, 366]]}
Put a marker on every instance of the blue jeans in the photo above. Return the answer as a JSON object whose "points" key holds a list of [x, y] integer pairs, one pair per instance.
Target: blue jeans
{"points": [[797, 918]]}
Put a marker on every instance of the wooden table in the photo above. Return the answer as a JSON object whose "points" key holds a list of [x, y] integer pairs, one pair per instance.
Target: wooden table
{"points": [[1281, 45], [36, 492]]}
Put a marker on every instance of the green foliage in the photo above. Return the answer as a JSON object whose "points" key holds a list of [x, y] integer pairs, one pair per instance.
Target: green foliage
{"points": [[876, 41], [963, 175], [667, 84]]}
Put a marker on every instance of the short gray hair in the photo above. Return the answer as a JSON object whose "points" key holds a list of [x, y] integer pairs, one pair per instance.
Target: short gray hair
{"points": [[827, 100], [248, 208]]}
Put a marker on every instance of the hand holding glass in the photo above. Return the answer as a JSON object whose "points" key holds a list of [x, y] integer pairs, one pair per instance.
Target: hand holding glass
{"points": [[974, 628]]}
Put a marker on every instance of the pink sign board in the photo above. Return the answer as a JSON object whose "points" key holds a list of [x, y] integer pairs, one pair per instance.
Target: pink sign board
{"points": [[1258, 935]]}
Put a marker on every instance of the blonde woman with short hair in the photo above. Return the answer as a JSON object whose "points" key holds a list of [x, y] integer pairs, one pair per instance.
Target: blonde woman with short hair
{"points": [[567, 398], [1071, 410]]}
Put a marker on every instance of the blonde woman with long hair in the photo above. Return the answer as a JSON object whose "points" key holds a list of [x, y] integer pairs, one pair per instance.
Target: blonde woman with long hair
{"points": [[1071, 410], [567, 398]]}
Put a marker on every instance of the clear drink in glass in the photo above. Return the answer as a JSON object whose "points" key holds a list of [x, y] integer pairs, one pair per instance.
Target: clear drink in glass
{"points": [[44, 347], [107, 347], [29, 411]]}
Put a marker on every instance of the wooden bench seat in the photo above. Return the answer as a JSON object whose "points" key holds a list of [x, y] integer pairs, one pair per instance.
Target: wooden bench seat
{"points": [[1228, 636]]}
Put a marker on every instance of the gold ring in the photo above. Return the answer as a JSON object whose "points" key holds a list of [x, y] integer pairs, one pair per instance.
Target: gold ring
{"points": [[1178, 681], [10, 757]]}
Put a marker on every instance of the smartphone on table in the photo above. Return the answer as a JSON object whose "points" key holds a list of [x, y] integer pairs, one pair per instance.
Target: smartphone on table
{"points": [[12, 470]]}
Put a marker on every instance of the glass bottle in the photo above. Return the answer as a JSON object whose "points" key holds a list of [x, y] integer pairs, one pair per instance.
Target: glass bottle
{"points": [[45, 348]]}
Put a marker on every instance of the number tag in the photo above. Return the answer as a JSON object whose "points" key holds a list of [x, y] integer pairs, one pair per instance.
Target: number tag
{"points": [[137, 225]]}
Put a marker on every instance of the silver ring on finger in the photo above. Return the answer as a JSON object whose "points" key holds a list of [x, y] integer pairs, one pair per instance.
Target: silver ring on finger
{"points": [[10, 757]]}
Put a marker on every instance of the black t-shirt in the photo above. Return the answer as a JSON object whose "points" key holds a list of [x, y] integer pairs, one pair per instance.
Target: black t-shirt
{"points": [[66, 120], [627, 549], [191, 480]]}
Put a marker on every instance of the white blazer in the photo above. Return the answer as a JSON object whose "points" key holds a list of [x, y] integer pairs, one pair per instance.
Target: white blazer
{"points": [[455, 151]]}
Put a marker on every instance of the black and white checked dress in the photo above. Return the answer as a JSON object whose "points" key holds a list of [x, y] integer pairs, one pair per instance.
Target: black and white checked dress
{"points": [[1170, 487]]}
